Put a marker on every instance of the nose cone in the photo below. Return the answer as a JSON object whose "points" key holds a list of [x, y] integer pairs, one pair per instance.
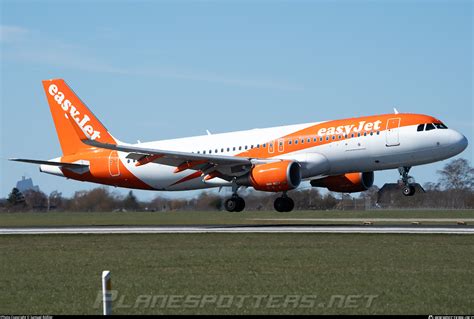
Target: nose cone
{"points": [[459, 142]]}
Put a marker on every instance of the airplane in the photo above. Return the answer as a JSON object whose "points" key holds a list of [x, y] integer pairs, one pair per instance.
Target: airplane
{"points": [[340, 155]]}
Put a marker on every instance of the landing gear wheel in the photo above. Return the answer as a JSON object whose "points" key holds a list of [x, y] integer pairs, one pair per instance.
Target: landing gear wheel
{"points": [[284, 204], [235, 204], [290, 204], [230, 205], [408, 190], [406, 181], [240, 204]]}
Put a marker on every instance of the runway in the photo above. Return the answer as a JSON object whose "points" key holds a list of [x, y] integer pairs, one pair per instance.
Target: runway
{"points": [[203, 229]]}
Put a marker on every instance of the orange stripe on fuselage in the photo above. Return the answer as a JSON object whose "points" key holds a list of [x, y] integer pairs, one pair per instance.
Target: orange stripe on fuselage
{"points": [[330, 128]]}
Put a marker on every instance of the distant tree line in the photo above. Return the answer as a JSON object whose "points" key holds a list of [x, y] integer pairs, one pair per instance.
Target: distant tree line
{"points": [[454, 190]]}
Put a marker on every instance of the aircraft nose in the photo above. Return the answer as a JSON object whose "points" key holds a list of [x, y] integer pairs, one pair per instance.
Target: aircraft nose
{"points": [[459, 141]]}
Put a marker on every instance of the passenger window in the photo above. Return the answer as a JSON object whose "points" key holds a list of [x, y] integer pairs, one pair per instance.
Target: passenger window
{"points": [[309, 140], [315, 139], [302, 141], [420, 127], [289, 142], [222, 150], [430, 127], [233, 148], [327, 138], [245, 146], [204, 152], [228, 149], [320, 139], [240, 148], [258, 145], [296, 141], [264, 145], [333, 137]]}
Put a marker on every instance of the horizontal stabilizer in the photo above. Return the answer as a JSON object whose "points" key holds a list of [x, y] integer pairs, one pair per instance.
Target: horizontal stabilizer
{"points": [[61, 164]]}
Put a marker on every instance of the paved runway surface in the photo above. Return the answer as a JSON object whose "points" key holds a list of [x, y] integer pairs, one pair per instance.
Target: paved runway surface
{"points": [[368, 229], [352, 220]]}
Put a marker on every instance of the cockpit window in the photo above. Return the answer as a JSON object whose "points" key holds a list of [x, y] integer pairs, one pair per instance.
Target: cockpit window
{"points": [[420, 127], [440, 126], [430, 127]]}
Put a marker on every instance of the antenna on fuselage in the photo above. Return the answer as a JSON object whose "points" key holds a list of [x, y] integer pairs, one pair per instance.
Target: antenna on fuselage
{"points": [[395, 110], [208, 133]]}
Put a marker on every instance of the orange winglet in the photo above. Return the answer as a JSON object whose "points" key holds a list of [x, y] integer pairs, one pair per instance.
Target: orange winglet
{"points": [[188, 165], [147, 159]]}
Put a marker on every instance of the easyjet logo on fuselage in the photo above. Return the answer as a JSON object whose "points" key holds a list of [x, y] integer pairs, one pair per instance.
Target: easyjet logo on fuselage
{"points": [[67, 106], [347, 129]]}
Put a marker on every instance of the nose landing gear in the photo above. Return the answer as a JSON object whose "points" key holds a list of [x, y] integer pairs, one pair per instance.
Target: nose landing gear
{"points": [[406, 181]]}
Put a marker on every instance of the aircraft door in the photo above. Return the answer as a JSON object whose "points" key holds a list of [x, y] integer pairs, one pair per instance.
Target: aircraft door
{"points": [[281, 145], [392, 137], [271, 147], [114, 164]]}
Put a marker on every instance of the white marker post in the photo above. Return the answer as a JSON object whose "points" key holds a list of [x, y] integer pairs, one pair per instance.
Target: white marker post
{"points": [[107, 292]]}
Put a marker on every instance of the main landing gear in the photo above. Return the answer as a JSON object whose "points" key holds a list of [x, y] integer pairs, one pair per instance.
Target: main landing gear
{"points": [[235, 203], [406, 181], [284, 204]]}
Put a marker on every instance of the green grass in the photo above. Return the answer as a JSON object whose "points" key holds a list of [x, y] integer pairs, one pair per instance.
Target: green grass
{"points": [[190, 218], [417, 274]]}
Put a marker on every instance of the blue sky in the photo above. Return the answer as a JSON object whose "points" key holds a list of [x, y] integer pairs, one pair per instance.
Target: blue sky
{"points": [[161, 69]]}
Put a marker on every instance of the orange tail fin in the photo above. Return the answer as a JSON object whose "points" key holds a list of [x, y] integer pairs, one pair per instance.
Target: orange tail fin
{"points": [[64, 103]]}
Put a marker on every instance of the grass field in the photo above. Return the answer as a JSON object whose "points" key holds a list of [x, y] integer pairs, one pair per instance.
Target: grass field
{"points": [[190, 218], [416, 274]]}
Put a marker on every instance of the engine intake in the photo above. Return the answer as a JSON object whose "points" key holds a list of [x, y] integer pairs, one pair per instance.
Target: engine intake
{"points": [[347, 183]]}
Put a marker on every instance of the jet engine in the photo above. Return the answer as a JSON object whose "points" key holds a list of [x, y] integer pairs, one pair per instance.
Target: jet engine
{"points": [[347, 183], [273, 177]]}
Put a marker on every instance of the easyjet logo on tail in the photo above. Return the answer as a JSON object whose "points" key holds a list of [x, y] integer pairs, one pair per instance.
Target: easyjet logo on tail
{"points": [[67, 106]]}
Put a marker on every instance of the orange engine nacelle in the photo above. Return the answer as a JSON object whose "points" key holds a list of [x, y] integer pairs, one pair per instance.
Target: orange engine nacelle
{"points": [[273, 177], [347, 183]]}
